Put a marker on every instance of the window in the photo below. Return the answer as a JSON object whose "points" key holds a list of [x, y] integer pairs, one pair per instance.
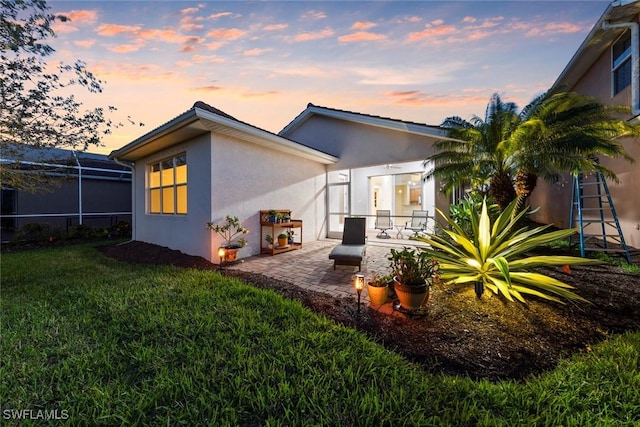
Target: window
{"points": [[168, 186], [621, 63]]}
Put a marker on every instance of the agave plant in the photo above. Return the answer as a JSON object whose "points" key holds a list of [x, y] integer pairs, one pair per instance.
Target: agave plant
{"points": [[495, 256]]}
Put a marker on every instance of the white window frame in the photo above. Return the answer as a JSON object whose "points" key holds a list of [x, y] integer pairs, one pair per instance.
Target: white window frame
{"points": [[618, 62]]}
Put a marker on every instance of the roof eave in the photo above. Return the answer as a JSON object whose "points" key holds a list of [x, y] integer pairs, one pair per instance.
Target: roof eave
{"points": [[380, 122], [593, 45]]}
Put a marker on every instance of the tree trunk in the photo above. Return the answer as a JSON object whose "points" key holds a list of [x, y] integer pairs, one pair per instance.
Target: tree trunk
{"points": [[525, 183], [501, 190]]}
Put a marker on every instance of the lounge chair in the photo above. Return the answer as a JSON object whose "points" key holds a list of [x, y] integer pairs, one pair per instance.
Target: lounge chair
{"points": [[383, 223], [352, 249], [418, 223]]}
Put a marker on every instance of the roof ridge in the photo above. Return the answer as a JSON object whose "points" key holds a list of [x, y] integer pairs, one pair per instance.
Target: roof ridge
{"points": [[371, 115]]}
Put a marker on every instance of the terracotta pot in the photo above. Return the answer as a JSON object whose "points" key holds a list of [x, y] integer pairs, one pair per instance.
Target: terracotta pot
{"points": [[377, 294], [411, 297], [230, 254], [283, 241]]}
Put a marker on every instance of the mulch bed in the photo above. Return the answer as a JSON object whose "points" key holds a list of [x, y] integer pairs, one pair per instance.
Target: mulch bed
{"points": [[460, 334]]}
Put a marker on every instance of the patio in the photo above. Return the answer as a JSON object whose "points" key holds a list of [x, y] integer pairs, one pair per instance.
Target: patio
{"points": [[310, 268]]}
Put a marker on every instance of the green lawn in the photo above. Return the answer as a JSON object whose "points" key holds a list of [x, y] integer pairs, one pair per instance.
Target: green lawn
{"points": [[108, 343]]}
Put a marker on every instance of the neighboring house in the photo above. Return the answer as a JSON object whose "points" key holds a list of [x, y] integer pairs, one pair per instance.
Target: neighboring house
{"points": [[205, 164], [607, 66], [77, 188]]}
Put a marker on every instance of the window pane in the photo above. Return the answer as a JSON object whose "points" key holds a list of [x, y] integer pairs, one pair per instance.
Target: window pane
{"points": [[167, 200], [622, 77], [154, 176], [154, 201], [181, 196], [167, 172], [181, 174]]}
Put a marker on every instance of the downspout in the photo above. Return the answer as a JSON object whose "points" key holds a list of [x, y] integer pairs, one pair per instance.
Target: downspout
{"points": [[635, 58], [133, 195], [75, 156]]}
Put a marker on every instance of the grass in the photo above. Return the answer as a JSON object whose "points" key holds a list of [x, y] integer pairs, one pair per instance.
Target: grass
{"points": [[117, 344]]}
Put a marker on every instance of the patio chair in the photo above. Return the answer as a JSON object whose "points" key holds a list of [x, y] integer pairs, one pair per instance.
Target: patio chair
{"points": [[383, 223], [418, 223], [352, 249]]}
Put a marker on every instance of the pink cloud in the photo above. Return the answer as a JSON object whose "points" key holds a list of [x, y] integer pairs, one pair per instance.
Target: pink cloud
{"points": [[275, 27], [226, 33], [187, 48], [188, 23], [255, 52], [468, 19], [419, 98], [210, 88], [431, 32], [304, 37], [554, 28], [110, 30], [85, 17], [189, 10], [361, 36], [167, 35], [84, 43], [125, 48], [206, 59], [363, 25]]}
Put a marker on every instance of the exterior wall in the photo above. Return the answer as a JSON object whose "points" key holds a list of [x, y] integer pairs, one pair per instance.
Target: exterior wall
{"points": [[555, 200], [186, 233], [247, 178], [358, 146]]}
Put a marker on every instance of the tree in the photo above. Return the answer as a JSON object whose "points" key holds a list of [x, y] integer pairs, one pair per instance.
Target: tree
{"points": [[477, 154], [553, 134], [36, 109], [566, 132]]}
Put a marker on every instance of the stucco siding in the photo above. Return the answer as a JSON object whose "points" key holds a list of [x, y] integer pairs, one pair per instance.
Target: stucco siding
{"points": [[247, 178], [186, 233], [359, 145], [554, 199]]}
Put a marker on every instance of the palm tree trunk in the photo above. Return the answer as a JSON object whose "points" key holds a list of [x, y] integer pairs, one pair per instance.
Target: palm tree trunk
{"points": [[525, 183], [501, 189]]}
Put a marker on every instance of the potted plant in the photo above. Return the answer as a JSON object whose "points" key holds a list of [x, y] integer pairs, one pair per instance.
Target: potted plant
{"points": [[269, 240], [229, 230], [272, 216], [290, 235], [413, 273], [378, 288], [283, 239]]}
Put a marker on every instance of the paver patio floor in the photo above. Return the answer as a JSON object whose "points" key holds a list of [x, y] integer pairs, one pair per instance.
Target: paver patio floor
{"points": [[310, 267]]}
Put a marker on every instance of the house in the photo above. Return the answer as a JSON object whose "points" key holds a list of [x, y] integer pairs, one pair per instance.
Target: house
{"points": [[75, 188], [325, 165], [606, 66]]}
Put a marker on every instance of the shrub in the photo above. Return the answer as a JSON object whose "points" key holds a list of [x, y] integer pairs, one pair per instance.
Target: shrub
{"points": [[493, 256]]}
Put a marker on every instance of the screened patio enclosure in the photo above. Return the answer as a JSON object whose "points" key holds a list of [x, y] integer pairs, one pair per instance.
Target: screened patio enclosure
{"points": [[397, 187]]}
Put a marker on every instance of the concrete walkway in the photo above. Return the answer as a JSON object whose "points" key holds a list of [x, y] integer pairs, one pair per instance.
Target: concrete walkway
{"points": [[310, 267]]}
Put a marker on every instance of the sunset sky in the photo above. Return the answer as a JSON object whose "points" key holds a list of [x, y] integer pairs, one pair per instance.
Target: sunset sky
{"points": [[263, 62]]}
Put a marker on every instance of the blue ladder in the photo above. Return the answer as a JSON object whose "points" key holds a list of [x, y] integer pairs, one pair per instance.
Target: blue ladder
{"points": [[583, 195]]}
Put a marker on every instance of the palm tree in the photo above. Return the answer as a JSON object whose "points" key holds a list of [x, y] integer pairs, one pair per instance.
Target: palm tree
{"points": [[508, 151], [566, 132], [477, 154]]}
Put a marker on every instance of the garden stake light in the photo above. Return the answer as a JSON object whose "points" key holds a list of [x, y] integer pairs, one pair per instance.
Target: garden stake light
{"points": [[359, 284], [221, 254]]}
